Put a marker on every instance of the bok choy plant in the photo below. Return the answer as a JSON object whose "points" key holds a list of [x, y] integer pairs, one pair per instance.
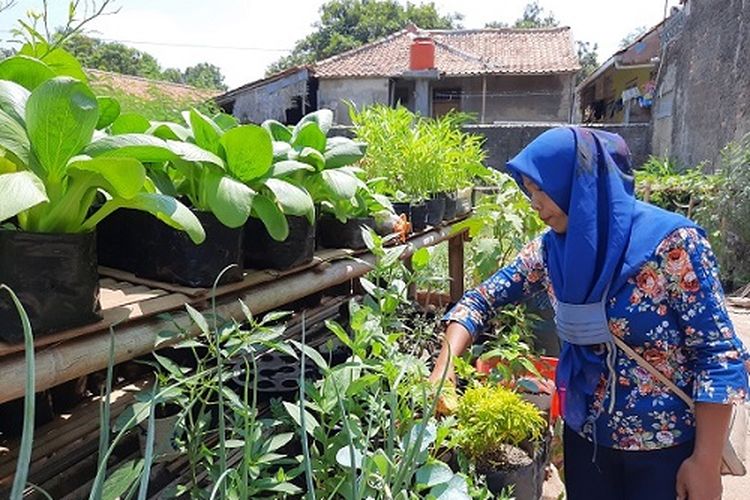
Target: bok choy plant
{"points": [[218, 165], [48, 178], [248, 153], [322, 165]]}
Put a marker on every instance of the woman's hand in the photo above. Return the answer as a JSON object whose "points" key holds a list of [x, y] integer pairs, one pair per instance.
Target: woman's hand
{"points": [[699, 476], [698, 480], [457, 339]]}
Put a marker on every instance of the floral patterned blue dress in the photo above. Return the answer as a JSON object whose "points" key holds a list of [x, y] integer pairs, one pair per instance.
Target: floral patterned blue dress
{"points": [[671, 312]]}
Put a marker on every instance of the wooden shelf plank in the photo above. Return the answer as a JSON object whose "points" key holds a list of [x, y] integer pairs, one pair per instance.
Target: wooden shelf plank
{"points": [[73, 353]]}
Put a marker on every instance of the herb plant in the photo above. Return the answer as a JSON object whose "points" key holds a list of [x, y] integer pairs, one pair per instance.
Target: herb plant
{"points": [[502, 223], [419, 156], [491, 416], [367, 425], [236, 452]]}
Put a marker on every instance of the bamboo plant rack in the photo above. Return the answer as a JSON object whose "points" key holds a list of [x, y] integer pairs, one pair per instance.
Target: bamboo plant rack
{"points": [[136, 309]]}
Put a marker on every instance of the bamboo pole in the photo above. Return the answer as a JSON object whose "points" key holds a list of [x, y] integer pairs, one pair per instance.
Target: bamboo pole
{"points": [[84, 355]]}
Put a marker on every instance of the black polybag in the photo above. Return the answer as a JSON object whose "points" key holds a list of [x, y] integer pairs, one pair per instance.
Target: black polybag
{"points": [[335, 234], [263, 252], [55, 277]]}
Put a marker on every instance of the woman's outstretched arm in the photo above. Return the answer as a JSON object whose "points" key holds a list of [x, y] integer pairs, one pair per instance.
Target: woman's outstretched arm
{"points": [[457, 339], [525, 276]]}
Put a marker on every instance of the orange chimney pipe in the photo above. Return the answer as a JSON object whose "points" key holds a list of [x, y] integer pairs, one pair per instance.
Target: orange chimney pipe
{"points": [[422, 54]]}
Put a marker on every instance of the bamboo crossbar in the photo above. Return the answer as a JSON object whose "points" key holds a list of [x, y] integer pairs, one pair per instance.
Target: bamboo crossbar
{"points": [[83, 355]]}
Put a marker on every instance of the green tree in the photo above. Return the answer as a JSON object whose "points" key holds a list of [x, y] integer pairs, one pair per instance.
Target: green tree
{"points": [[119, 58], [346, 24], [496, 24], [204, 76], [173, 75], [534, 16], [588, 56], [112, 56], [632, 36]]}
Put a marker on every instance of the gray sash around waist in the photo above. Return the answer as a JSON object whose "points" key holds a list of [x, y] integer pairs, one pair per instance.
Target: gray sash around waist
{"points": [[583, 324]]}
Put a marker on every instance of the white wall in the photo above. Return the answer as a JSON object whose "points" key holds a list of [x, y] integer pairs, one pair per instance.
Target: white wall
{"points": [[333, 94], [270, 101]]}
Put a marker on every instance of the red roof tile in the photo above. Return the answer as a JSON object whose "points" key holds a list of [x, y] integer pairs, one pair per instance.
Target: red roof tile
{"points": [[461, 52], [143, 88]]}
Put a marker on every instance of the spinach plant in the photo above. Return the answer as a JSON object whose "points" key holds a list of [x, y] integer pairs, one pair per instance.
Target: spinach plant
{"points": [[48, 178]]}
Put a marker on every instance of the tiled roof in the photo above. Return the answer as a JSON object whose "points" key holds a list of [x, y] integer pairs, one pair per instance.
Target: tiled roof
{"points": [[461, 52], [143, 88]]}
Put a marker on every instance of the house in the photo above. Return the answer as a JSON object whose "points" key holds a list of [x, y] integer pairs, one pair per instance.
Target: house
{"points": [[285, 96], [146, 88], [499, 75], [157, 99], [622, 89]]}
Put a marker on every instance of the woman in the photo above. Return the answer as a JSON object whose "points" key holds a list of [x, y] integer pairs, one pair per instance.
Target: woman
{"points": [[616, 266]]}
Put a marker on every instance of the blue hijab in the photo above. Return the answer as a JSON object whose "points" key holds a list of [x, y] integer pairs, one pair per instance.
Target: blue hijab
{"points": [[610, 235]]}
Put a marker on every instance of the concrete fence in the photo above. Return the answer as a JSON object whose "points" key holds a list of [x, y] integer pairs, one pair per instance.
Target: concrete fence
{"points": [[505, 140]]}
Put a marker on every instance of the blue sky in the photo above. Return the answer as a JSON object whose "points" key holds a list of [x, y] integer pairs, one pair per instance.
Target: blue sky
{"points": [[243, 37]]}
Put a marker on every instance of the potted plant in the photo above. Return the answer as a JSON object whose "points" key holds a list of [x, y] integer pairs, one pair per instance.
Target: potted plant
{"points": [[505, 437], [168, 418], [394, 154], [459, 158], [427, 161], [224, 171], [341, 221], [322, 166], [48, 183]]}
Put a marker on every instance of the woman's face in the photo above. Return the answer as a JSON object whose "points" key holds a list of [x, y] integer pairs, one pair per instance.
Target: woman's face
{"points": [[548, 211]]}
